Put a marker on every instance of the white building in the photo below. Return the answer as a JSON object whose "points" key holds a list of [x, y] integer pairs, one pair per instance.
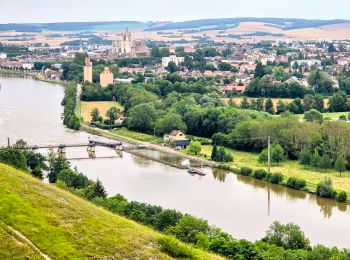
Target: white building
{"points": [[309, 63], [172, 58], [3, 56], [28, 65]]}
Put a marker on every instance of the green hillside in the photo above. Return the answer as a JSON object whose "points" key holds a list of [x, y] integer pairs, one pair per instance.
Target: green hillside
{"points": [[64, 226]]}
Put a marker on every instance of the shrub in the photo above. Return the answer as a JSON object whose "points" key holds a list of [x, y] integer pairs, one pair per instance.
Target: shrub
{"points": [[276, 178], [342, 196], [246, 171], [260, 174], [296, 183], [325, 188], [174, 248]]}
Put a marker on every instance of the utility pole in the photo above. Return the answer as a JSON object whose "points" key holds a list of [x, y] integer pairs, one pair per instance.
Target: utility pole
{"points": [[268, 155]]}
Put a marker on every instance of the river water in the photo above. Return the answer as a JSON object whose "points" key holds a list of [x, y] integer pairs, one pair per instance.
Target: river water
{"points": [[241, 206]]}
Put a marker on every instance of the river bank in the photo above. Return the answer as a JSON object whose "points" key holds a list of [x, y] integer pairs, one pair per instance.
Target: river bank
{"points": [[32, 74], [31, 110]]}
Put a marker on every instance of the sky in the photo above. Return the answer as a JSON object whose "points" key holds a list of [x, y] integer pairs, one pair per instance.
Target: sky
{"points": [[27, 11]]}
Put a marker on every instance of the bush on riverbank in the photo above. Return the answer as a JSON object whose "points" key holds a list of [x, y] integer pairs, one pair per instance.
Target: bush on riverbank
{"points": [[69, 102], [296, 183]]}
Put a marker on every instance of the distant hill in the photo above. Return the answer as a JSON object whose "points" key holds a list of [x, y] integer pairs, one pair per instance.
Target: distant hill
{"points": [[226, 23], [61, 225], [207, 24]]}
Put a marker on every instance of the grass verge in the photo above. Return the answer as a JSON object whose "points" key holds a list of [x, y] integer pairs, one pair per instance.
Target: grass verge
{"points": [[64, 226]]}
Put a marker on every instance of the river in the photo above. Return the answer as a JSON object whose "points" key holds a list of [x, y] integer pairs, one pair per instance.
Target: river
{"points": [[241, 206]]}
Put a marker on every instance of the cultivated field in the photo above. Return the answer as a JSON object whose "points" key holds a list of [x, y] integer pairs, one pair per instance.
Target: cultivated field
{"points": [[102, 106]]}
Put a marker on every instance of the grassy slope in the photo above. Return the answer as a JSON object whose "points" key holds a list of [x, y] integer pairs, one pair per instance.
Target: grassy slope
{"points": [[288, 169], [13, 247], [63, 225]]}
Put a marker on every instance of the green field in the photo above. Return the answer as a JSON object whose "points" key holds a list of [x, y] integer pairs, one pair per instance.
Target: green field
{"points": [[141, 137], [330, 116], [64, 226], [288, 168]]}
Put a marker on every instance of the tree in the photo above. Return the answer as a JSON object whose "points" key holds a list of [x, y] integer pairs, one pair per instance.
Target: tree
{"points": [[315, 159], [325, 162], [95, 116], [57, 163], [287, 236], [259, 70], [331, 48], [155, 52], [305, 157], [340, 165], [142, 117], [95, 190], [337, 102], [169, 122], [188, 227], [227, 52], [281, 107], [13, 157], [224, 66], [219, 154], [172, 67], [325, 188], [277, 153], [269, 106], [195, 147], [313, 115], [244, 103], [112, 114], [214, 152]]}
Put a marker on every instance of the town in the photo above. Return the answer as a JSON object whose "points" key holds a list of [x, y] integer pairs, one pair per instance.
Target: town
{"points": [[220, 138]]}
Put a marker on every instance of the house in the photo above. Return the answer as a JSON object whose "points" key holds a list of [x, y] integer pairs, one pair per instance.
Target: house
{"points": [[176, 139], [172, 58], [106, 77]]}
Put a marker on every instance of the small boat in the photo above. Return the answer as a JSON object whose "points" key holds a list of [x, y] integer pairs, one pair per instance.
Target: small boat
{"points": [[195, 171]]}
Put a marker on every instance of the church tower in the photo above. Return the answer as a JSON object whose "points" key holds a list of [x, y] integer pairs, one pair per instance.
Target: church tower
{"points": [[88, 70]]}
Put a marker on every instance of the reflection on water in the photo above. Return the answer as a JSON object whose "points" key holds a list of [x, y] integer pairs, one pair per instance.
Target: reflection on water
{"points": [[240, 205]]}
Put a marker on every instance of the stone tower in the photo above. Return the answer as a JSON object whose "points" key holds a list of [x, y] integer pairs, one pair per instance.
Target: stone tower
{"points": [[88, 70], [126, 43]]}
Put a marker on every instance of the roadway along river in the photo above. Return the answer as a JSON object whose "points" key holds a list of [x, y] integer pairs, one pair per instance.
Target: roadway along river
{"points": [[239, 205]]}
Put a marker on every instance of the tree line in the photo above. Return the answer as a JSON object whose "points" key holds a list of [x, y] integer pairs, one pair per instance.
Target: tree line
{"points": [[281, 241]]}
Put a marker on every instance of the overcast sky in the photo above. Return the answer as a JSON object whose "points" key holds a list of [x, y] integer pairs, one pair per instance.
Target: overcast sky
{"points": [[23, 11]]}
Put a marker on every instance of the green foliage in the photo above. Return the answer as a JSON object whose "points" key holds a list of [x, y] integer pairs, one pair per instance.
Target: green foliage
{"points": [[69, 102], [57, 164], [340, 164], [170, 121], [259, 174], [287, 236], [188, 227], [325, 188], [305, 157], [195, 147], [342, 196], [269, 108], [296, 183], [13, 157], [219, 154], [313, 116], [142, 118], [246, 171], [174, 248], [338, 102], [276, 178], [73, 179]]}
